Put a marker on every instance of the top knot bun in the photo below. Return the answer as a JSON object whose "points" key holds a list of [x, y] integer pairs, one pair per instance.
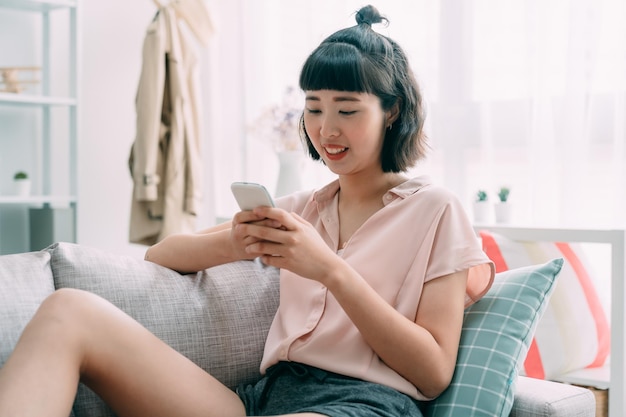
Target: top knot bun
{"points": [[369, 15]]}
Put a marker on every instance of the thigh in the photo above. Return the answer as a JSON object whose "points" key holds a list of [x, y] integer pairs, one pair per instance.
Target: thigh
{"points": [[138, 374]]}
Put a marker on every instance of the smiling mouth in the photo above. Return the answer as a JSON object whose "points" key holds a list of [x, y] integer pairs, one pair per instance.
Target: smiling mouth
{"points": [[335, 150]]}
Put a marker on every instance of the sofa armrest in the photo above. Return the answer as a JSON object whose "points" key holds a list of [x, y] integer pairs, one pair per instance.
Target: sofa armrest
{"points": [[539, 398], [25, 281]]}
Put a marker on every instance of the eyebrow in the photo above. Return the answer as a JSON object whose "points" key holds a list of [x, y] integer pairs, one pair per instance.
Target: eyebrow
{"points": [[336, 99]]}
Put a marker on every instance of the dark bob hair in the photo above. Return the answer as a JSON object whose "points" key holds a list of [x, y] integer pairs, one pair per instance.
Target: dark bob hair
{"points": [[358, 59]]}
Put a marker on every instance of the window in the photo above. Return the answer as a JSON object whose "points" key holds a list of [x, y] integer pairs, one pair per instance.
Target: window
{"points": [[521, 93]]}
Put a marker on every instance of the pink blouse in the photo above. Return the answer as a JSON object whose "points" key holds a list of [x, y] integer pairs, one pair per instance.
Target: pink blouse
{"points": [[421, 233]]}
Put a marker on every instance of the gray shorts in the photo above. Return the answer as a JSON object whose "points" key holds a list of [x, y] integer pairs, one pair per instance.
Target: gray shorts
{"points": [[290, 387]]}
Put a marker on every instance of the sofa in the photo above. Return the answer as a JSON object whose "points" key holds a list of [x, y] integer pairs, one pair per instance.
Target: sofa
{"points": [[218, 318]]}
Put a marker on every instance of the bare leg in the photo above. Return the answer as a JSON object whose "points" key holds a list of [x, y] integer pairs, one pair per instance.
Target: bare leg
{"points": [[76, 336]]}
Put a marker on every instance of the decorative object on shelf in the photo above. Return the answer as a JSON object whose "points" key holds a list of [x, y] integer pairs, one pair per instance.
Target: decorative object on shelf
{"points": [[502, 209], [22, 183], [481, 207], [289, 172], [280, 123], [11, 80], [503, 194]]}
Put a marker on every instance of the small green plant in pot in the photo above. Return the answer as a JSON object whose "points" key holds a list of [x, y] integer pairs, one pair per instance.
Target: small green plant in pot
{"points": [[481, 195], [22, 183], [503, 208], [503, 194], [481, 207]]}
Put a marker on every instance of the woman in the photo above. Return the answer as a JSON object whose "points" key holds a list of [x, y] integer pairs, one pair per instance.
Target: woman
{"points": [[376, 270]]}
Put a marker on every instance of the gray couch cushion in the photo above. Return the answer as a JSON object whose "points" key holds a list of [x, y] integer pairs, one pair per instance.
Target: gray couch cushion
{"points": [[25, 280], [218, 318]]}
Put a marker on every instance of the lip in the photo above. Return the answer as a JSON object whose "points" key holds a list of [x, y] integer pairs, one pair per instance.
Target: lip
{"points": [[335, 156]]}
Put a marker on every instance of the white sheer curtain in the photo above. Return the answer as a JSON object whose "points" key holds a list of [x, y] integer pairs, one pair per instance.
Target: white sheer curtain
{"points": [[521, 93], [549, 80]]}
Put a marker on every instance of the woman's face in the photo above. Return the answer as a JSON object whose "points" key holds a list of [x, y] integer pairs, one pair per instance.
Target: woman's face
{"points": [[346, 128]]}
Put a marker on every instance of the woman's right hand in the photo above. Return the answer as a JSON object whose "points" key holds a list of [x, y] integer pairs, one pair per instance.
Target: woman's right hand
{"points": [[240, 240]]}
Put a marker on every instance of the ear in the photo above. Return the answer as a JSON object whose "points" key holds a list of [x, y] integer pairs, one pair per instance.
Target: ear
{"points": [[392, 114]]}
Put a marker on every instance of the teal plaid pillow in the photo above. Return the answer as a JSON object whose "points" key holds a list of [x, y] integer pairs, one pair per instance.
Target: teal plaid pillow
{"points": [[497, 331]]}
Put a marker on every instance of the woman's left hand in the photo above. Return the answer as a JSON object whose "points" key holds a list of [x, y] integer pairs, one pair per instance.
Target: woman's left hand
{"points": [[296, 246]]}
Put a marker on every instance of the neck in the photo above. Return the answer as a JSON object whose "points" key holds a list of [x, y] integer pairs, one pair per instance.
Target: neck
{"points": [[367, 188]]}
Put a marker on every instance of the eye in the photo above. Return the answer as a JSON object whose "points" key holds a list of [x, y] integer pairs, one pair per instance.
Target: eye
{"points": [[347, 113], [313, 111]]}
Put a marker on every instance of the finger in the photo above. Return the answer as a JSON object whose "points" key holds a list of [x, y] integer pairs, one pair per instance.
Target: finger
{"points": [[263, 233], [279, 215], [248, 232], [239, 232], [299, 218], [268, 223], [273, 260], [246, 217], [265, 248]]}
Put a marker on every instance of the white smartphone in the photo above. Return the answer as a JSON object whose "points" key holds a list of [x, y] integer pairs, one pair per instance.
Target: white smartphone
{"points": [[250, 195]]}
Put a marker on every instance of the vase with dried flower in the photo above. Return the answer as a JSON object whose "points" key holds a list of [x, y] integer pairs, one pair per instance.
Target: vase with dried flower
{"points": [[280, 125]]}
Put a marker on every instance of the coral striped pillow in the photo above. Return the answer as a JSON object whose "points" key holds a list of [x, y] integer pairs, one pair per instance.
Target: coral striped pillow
{"points": [[574, 332]]}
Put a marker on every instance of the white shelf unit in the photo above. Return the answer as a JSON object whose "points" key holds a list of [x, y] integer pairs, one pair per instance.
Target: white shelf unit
{"points": [[35, 100], [613, 375], [50, 189]]}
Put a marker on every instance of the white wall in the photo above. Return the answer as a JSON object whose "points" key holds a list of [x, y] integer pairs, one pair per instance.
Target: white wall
{"points": [[112, 37]]}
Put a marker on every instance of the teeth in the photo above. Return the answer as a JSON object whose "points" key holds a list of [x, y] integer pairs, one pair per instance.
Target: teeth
{"points": [[335, 151]]}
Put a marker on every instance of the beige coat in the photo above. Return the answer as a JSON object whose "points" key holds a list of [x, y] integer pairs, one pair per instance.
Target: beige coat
{"points": [[165, 157]]}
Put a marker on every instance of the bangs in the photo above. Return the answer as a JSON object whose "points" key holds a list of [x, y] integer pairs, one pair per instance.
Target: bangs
{"points": [[336, 66]]}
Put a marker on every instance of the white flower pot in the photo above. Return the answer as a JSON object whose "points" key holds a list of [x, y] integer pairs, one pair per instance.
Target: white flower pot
{"points": [[289, 172], [22, 187], [502, 212], [481, 212]]}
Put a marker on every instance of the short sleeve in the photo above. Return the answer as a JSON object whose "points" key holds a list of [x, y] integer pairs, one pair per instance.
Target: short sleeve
{"points": [[456, 247]]}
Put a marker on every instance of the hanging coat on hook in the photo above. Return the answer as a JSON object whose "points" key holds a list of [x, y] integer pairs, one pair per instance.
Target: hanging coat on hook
{"points": [[165, 157]]}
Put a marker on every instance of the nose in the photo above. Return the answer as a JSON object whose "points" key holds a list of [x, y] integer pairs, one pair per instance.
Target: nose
{"points": [[329, 127]]}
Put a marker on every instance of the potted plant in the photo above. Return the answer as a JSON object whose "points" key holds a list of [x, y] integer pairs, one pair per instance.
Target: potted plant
{"points": [[503, 194], [22, 183], [481, 207], [503, 208]]}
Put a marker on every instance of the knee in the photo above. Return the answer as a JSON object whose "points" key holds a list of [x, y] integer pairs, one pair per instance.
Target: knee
{"points": [[63, 321], [67, 307]]}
